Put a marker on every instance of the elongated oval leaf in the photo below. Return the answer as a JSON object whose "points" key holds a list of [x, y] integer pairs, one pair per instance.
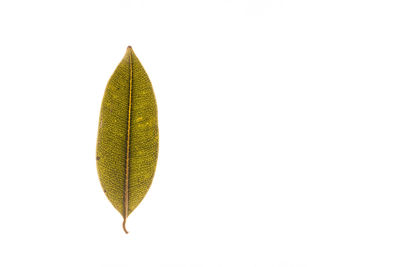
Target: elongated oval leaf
{"points": [[127, 142]]}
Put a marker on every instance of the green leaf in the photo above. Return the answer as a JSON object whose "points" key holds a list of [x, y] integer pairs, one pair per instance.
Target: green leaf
{"points": [[127, 142]]}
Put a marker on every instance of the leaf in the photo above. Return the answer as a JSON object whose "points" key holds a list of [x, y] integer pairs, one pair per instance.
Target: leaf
{"points": [[127, 142]]}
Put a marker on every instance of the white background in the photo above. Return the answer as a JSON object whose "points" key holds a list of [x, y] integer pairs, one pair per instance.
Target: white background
{"points": [[279, 133]]}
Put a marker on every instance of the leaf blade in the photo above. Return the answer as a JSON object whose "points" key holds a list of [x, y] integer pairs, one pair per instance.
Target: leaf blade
{"points": [[127, 143]]}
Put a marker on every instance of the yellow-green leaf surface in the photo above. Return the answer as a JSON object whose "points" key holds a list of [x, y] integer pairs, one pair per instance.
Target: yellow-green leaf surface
{"points": [[127, 142]]}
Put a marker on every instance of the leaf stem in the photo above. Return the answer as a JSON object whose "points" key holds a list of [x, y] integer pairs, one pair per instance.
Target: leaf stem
{"points": [[123, 225]]}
